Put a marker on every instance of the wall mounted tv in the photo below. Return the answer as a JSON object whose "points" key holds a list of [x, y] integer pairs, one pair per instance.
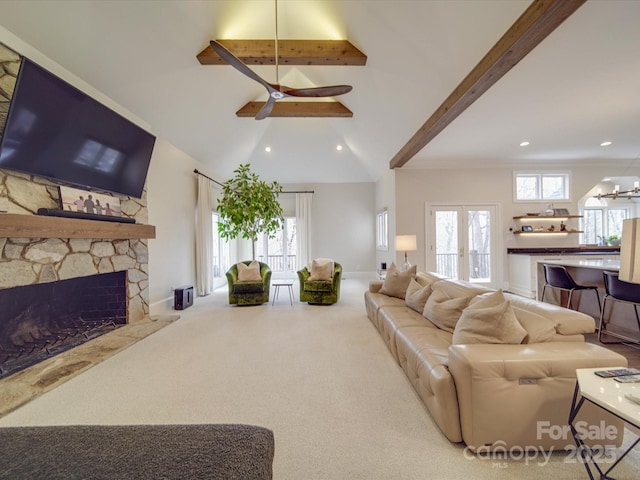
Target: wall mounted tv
{"points": [[56, 131]]}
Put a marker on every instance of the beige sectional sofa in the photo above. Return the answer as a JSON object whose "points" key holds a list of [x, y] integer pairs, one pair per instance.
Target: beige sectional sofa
{"points": [[490, 395]]}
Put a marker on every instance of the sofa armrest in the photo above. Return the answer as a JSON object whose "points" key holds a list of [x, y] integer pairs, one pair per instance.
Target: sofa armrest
{"points": [[499, 386], [375, 286]]}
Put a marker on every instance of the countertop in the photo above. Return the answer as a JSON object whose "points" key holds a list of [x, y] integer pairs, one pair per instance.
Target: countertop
{"points": [[584, 250], [599, 264]]}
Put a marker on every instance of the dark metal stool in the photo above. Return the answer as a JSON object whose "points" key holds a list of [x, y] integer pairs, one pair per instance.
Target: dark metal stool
{"points": [[619, 291], [556, 276]]}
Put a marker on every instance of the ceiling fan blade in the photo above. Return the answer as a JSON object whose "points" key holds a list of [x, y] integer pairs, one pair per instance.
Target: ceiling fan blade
{"points": [[330, 91], [265, 111], [236, 63]]}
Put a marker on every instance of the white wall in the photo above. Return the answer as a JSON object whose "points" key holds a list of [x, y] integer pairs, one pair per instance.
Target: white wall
{"points": [[385, 198], [343, 224], [171, 199]]}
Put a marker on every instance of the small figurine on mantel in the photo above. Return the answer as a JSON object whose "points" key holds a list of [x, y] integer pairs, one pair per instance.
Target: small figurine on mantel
{"points": [[563, 227], [552, 228]]}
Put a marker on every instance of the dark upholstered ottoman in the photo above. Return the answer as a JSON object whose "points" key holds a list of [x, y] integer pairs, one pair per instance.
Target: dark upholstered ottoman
{"points": [[224, 452]]}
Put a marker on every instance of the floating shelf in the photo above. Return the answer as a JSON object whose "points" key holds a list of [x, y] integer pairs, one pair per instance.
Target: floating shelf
{"points": [[36, 226]]}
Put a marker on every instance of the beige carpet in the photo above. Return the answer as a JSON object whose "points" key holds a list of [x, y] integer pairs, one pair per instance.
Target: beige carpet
{"points": [[319, 376]]}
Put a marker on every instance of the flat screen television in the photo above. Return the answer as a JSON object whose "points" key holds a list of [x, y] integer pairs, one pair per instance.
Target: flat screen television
{"points": [[56, 131]]}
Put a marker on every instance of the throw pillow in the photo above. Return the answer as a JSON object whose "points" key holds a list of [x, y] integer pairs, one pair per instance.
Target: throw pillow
{"points": [[321, 270], [416, 295], [396, 282], [443, 310], [489, 320], [249, 273]]}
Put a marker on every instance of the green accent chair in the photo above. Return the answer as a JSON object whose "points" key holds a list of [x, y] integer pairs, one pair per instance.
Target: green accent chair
{"points": [[249, 293], [320, 292]]}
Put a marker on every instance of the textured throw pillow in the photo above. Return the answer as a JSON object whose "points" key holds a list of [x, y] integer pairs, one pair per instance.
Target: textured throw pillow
{"points": [[321, 270], [249, 273], [489, 320], [416, 295], [396, 282], [443, 310]]}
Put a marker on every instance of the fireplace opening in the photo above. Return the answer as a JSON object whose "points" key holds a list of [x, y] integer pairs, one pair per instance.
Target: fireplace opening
{"points": [[41, 320]]}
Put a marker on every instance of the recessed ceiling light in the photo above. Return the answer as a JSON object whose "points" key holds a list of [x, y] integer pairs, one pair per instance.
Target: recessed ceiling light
{"points": [[605, 144], [267, 149], [524, 144], [339, 147]]}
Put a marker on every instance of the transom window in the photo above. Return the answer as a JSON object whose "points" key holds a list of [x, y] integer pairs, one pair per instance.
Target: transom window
{"points": [[532, 186]]}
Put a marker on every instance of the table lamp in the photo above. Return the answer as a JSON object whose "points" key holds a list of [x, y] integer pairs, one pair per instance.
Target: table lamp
{"points": [[406, 243]]}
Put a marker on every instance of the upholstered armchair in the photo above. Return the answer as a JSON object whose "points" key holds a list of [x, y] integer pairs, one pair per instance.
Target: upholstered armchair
{"points": [[251, 292], [322, 292]]}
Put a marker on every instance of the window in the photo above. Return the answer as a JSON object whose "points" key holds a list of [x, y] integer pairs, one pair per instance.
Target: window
{"points": [[220, 254], [541, 186], [279, 252], [601, 221], [382, 230]]}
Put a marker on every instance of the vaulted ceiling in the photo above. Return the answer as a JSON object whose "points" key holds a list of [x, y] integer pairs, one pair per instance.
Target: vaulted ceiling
{"points": [[576, 89]]}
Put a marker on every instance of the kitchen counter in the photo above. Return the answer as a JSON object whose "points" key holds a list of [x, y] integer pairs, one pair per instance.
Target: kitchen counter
{"points": [[583, 250]]}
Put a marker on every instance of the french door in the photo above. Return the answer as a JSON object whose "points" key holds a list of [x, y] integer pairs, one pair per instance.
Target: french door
{"points": [[461, 242]]}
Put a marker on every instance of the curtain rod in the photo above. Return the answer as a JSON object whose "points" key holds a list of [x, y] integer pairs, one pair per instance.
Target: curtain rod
{"points": [[222, 185]]}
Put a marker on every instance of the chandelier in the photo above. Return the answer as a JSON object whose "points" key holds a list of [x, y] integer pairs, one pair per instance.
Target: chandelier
{"points": [[633, 193]]}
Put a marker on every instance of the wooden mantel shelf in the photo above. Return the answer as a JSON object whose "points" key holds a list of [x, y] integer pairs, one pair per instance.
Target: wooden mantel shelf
{"points": [[36, 226]]}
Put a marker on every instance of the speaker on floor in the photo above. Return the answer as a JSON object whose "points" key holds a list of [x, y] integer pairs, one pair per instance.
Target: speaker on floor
{"points": [[183, 297]]}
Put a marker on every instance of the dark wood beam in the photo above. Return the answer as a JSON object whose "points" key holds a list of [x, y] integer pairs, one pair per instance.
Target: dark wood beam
{"points": [[298, 109], [290, 52], [540, 19]]}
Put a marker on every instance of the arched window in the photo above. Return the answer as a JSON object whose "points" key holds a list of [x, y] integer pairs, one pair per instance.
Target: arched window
{"points": [[601, 220]]}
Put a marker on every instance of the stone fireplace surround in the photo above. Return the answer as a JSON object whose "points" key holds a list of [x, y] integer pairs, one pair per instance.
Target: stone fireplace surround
{"points": [[46, 258]]}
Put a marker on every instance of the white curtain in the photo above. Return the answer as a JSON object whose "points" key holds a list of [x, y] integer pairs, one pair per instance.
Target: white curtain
{"points": [[303, 228], [204, 236]]}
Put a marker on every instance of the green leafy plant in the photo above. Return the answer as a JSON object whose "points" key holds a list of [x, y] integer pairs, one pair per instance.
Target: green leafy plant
{"points": [[249, 206], [613, 240]]}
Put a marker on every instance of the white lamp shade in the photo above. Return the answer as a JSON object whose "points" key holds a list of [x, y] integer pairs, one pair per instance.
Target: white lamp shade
{"points": [[630, 251], [406, 243]]}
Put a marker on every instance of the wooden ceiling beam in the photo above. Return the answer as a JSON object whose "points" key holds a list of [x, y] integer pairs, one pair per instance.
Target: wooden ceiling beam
{"points": [[298, 109], [291, 52], [540, 19]]}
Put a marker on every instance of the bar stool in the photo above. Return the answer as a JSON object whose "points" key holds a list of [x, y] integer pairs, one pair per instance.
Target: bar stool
{"points": [[619, 291], [556, 276]]}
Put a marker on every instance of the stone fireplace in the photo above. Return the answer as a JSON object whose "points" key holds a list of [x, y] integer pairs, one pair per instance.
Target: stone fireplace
{"points": [[37, 250]]}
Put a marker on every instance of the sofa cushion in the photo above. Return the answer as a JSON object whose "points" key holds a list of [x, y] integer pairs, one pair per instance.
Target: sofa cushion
{"points": [[417, 295], [321, 270], [396, 282], [489, 320], [428, 278], [249, 273], [443, 310]]}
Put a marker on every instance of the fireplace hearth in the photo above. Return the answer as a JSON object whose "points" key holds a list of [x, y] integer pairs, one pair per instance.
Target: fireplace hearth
{"points": [[41, 320]]}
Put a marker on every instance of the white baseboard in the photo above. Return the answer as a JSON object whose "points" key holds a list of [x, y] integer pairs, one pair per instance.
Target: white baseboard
{"points": [[161, 306], [365, 275]]}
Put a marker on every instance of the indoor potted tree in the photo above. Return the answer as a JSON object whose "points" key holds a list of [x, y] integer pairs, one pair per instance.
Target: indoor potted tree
{"points": [[248, 207]]}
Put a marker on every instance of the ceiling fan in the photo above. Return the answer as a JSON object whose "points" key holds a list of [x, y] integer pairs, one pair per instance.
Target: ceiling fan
{"points": [[275, 90]]}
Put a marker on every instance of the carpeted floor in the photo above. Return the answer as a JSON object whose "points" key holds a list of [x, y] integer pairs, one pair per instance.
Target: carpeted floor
{"points": [[137, 452], [319, 377]]}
